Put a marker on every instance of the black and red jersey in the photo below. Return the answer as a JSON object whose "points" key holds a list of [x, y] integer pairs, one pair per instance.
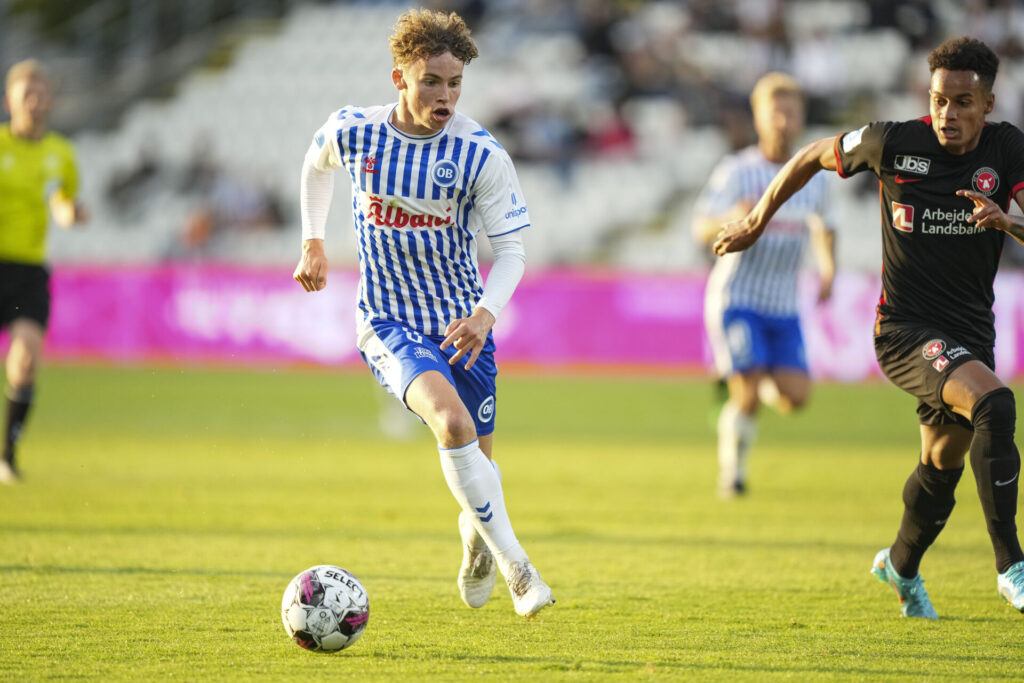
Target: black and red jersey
{"points": [[936, 267]]}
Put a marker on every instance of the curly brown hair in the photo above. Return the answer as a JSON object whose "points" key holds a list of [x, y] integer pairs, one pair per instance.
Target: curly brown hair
{"points": [[966, 54], [427, 33]]}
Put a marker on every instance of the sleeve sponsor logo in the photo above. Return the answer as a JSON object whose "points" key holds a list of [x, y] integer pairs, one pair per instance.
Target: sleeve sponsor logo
{"points": [[910, 164], [320, 139], [851, 140], [985, 181], [903, 217], [516, 212], [940, 363]]}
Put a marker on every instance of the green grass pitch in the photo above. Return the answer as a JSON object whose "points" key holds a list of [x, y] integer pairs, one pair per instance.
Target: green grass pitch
{"points": [[164, 511]]}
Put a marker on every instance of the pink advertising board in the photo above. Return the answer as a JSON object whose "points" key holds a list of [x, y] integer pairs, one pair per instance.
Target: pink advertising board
{"points": [[557, 319]]}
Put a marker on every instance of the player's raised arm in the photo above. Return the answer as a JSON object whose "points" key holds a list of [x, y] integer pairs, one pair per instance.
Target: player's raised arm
{"points": [[811, 158]]}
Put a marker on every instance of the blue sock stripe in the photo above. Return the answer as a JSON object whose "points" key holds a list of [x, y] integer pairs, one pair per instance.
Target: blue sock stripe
{"points": [[485, 508]]}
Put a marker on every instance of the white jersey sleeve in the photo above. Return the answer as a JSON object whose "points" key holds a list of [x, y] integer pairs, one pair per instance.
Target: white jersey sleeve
{"points": [[722, 192], [324, 154], [317, 180], [508, 268], [498, 197], [316, 190]]}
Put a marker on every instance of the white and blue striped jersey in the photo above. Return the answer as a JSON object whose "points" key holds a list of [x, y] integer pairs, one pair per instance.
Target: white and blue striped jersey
{"points": [[419, 203], [762, 278]]}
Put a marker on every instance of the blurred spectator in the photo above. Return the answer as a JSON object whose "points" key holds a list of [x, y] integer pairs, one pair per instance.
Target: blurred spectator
{"points": [[231, 205], [540, 132], [225, 204], [999, 23], [608, 134], [127, 189]]}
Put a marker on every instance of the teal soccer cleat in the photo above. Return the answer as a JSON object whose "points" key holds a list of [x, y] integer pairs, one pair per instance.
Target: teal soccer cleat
{"points": [[913, 597], [1011, 586]]}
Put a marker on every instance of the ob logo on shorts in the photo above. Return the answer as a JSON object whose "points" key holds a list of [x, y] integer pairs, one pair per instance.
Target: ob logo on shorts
{"points": [[486, 411], [444, 172]]}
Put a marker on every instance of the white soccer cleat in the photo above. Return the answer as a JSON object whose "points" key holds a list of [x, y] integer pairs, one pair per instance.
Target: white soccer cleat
{"points": [[478, 571], [8, 475], [529, 592]]}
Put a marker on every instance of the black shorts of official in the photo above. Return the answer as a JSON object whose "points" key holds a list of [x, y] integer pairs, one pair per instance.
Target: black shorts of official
{"points": [[919, 359], [24, 293]]}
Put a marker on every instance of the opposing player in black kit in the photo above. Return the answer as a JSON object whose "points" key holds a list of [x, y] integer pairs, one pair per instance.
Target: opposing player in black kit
{"points": [[946, 184]]}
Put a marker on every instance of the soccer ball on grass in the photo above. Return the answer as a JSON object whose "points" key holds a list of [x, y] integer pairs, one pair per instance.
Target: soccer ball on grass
{"points": [[325, 608]]}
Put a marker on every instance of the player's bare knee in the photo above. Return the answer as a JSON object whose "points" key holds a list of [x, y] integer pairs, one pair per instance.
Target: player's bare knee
{"points": [[995, 412], [21, 368], [453, 428], [791, 403], [943, 457]]}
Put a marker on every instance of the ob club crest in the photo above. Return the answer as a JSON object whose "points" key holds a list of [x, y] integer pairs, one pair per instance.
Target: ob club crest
{"points": [[444, 172]]}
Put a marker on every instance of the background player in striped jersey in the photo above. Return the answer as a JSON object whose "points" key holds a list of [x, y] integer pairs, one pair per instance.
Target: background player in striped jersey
{"points": [[946, 181], [751, 310], [426, 181], [37, 169]]}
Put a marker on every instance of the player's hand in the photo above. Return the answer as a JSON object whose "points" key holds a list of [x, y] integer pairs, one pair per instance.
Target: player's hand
{"points": [[468, 335], [987, 213], [736, 236], [311, 272], [825, 290]]}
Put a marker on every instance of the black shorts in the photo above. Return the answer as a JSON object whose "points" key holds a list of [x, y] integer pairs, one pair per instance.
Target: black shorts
{"points": [[918, 359], [24, 293]]}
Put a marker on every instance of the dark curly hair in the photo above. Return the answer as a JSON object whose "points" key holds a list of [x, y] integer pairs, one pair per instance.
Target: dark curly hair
{"points": [[966, 54], [427, 33]]}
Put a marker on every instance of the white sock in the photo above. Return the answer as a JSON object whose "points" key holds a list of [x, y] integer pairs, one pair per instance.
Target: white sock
{"points": [[477, 487], [736, 434], [476, 540]]}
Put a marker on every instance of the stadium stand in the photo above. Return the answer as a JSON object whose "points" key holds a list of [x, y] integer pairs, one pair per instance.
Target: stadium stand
{"points": [[615, 118]]}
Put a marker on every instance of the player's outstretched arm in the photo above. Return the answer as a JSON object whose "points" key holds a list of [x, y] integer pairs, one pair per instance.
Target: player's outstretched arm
{"points": [[741, 234], [823, 245], [707, 228], [311, 272], [987, 214]]}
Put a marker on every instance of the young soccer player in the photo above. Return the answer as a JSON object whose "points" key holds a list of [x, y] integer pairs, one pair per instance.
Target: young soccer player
{"points": [[751, 310], [37, 169], [946, 184], [426, 182]]}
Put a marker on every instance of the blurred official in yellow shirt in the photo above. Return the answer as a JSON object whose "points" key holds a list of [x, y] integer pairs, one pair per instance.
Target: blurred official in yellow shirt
{"points": [[37, 173]]}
